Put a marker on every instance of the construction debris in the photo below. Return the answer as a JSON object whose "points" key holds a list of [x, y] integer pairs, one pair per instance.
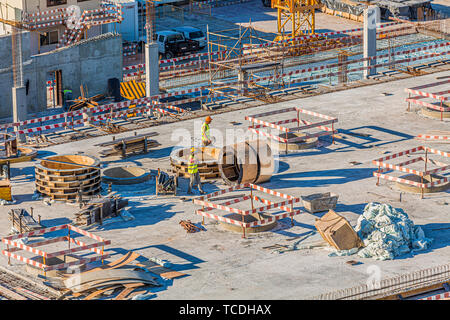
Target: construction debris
{"points": [[388, 233], [97, 210], [129, 146], [84, 102], [166, 183], [189, 226], [22, 221], [49, 261], [337, 231], [319, 202]]}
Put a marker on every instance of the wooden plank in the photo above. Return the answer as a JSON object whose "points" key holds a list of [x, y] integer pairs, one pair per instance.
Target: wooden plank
{"points": [[128, 139], [135, 293], [11, 294], [96, 293], [31, 281], [159, 270], [128, 289], [124, 260], [31, 294], [109, 283], [105, 275], [71, 163]]}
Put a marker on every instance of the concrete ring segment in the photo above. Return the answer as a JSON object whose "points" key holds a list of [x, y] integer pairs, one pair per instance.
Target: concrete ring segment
{"points": [[125, 175], [426, 179], [248, 219]]}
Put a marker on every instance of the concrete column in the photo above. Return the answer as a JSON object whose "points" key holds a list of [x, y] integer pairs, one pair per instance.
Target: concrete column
{"points": [[371, 19], [151, 69], [151, 72], [19, 102], [243, 76]]}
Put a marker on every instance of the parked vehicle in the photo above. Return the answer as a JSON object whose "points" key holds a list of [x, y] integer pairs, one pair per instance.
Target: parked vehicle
{"points": [[193, 34], [174, 44]]}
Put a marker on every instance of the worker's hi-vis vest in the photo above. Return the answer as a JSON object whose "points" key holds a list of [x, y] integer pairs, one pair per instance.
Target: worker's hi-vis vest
{"points": [[192, 165], [205, 132]]}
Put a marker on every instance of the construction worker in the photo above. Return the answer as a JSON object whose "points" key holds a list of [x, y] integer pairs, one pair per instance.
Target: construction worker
{"points": [[193, 172], [206, 137], [67, 96]]}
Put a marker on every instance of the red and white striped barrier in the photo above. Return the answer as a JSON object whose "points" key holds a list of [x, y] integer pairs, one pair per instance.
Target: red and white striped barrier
{"points": [[283, 205], [173, 60], [224, 51], [306, 125], [195, 55], [440, 96], [147, 100], [401, 167], [94, 247], [439, 296], [434, 137], [319, 35], [207, 87]]}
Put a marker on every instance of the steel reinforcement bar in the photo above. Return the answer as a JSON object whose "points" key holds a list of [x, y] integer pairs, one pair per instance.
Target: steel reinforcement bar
{"points": [[391, 286], [207, 87]]}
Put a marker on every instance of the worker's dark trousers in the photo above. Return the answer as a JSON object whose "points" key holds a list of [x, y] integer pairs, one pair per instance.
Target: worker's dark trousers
{"points": [[195, 180]]}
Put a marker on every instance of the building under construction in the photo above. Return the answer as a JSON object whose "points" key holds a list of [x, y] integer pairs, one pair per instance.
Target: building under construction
{"points": [[322, 174]]}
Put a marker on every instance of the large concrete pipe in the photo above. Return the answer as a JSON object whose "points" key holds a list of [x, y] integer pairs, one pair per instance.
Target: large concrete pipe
{"points": [[246, 162]]}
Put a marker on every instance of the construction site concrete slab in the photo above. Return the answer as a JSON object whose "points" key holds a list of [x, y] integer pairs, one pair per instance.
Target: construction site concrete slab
{"points": [[221, 265]]}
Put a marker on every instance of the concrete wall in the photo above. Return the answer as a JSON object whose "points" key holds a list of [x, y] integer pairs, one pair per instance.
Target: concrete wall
{"points": [[32, 6], [90, 62]]}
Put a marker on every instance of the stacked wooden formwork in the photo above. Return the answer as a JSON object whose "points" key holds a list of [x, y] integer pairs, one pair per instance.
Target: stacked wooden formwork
{"points": [[66, 177]]}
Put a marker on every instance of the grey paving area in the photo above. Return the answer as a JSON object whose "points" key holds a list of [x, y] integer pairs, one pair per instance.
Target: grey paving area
{"points": [[265, 19], [222, 265]]}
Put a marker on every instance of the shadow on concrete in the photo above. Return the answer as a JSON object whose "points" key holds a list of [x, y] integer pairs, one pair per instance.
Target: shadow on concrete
{"points": [[286, 228], [144, 215], [354, 139], [368, 141], [20, 198], [135, 159], [357, 208], [20, 175], [321, 149], [190, 263], [320, 178], [45, 153], [283, 166], [55, 222], [439, 232]]}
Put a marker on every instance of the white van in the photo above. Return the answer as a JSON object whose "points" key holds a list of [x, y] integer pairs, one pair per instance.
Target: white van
{"points": [[193, 34]]}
